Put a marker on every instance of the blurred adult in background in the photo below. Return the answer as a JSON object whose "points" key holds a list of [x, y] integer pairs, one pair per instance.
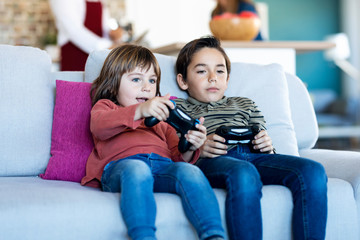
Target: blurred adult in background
{"points": [[83, 26], [235, 6]]}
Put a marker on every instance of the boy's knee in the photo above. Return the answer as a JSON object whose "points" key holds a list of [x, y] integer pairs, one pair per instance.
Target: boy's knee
{"points": [[314, 175], [319, 177], [245, 178]]}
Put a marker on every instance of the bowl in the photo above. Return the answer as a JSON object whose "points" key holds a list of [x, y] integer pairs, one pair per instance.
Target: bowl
{"points": [[238, 27]]}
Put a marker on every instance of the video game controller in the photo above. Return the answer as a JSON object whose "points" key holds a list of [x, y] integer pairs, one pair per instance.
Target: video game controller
{"points": [[181, 122], [239, 135]]}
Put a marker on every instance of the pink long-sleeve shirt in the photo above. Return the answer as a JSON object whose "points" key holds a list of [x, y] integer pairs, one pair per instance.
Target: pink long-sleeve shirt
{"points": [[116, 135]]}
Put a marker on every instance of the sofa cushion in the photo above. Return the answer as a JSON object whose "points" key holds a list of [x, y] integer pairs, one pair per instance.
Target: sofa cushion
{"points": [[71, 140], [26, 107], [94, 64], [266, 85]]}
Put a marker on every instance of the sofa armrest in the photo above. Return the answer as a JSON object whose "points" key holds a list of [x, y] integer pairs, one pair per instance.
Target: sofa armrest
{"points": [[338, 164]]}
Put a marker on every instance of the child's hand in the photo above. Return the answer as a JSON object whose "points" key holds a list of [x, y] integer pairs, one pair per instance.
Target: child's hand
{"points": [[197, 138], [263, 142], [213, 147], [156, 107]]}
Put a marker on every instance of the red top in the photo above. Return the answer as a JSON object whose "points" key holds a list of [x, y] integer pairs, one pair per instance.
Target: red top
{"points": [[93, 17], [116, 135], [72, 57]]}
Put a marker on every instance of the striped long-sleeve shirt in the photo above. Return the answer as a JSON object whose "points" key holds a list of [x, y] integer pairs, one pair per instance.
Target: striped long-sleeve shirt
{"points": [[229, 111]]}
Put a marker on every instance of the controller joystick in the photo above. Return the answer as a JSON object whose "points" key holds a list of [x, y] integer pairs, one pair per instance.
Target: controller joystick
{"points": [[179, 120], [239, 135]]}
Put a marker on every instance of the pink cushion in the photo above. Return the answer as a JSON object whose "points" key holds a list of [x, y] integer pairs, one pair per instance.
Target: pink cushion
{"points": [[71, 140]]}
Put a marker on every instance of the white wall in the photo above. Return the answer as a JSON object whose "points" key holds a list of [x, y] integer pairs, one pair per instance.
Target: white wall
{"points": [[350, 16], [170, 21]]}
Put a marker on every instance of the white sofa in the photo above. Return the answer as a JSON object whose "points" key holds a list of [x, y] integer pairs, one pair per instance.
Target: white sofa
{"points": [[34, 208]]}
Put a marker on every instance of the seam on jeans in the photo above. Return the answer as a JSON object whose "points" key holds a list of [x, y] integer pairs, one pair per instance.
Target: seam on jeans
{"points": [[303, 201], [227, 183], [226, 175]]}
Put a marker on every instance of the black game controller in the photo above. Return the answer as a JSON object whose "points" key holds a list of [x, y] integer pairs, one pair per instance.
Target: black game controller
{"points": [[181, 122], [239, 135]]}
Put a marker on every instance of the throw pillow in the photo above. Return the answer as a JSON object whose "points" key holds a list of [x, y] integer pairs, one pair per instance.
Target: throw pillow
{"points": [[71, 140]]}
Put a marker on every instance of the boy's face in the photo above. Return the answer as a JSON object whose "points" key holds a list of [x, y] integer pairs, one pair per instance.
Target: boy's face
{"points": [[207, 76], [137, 86]]}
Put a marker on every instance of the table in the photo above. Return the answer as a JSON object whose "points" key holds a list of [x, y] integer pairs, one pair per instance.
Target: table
{"points": [[260, 52]]}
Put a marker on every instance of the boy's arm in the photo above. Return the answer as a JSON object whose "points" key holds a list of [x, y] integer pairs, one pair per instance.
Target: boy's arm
{"points": [[213, 147], [256, 117], [262, 140]]}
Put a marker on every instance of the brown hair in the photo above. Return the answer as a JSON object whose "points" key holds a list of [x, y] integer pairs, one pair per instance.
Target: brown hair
{"points": [[121, 60], [186, 54]]}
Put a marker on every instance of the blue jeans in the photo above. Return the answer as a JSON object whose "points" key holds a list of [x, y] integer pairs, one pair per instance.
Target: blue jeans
{"points": [[138, 176], [243, 173]]}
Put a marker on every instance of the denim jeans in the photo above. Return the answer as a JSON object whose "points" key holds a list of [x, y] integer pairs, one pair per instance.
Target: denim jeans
{"points": [[138, 176], [243, 173]]}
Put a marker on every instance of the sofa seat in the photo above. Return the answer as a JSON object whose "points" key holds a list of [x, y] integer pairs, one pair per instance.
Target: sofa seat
{"points": [[66, 210]]}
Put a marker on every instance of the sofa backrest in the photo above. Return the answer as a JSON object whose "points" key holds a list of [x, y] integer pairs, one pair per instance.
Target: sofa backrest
{"points": [[267, 85], [26, 107], [302, 112], [27, 94]]}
